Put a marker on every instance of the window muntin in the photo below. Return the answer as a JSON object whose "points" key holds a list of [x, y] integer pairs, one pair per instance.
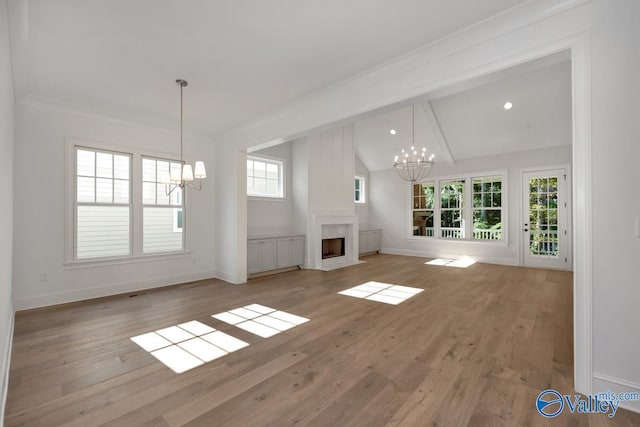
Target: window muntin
{"points": [[162, 228], [423, 207], [487, 208], [359, 195], [102, 204], [265, 177], [452, 209]]}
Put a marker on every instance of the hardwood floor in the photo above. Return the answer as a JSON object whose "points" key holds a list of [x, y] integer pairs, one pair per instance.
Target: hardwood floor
{"points": [[474, 349]]}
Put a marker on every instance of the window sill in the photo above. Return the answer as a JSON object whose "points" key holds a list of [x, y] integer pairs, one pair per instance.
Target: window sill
{"points": [[103, 262], [266, 199]]}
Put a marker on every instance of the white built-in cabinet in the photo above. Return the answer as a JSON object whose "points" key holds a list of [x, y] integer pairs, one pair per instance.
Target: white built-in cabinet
{"points": [[290, 251], [274, 253], [370, 241]]}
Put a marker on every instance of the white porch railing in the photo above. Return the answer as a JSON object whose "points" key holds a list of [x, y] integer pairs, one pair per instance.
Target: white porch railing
{"points": [[451, 233], [457, 233], [484, 234]]}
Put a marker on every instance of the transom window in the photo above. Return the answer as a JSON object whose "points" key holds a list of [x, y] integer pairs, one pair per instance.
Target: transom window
{"points": [[359, 196], [102, 204], [265, 177]]}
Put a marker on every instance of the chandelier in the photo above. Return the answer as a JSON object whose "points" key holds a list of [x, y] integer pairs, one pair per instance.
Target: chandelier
{"points": [[413, 165], [185, 174]]}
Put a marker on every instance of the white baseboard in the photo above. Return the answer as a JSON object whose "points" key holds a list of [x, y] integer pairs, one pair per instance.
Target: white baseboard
{"points": [[603, 383], [5, 365], [227, 277], [44, 300], [426, 254]]}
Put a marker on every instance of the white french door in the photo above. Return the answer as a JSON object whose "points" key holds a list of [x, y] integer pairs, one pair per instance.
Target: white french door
{"points": [[545, 225]]}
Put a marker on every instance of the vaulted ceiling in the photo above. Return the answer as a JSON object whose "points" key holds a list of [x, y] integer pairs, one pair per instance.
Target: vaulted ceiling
{"points": [[469, 120], [120, 58]]}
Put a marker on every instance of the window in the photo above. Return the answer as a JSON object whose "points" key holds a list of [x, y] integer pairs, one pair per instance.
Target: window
{"points": [[439, 208], [161, 213], [102, 204], [264, 177], [423, 204], [119, 207], [452, 209], [487, 208], [359, 190]]}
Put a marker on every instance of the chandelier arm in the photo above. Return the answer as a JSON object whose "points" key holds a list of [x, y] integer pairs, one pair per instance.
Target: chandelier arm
{"points": [[198, 187]]}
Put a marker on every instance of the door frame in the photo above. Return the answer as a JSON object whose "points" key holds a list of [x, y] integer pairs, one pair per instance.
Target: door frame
{"points": [[569, 212]]}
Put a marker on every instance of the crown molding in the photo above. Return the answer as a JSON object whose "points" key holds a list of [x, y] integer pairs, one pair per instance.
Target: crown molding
{"points": [[52, 104]]}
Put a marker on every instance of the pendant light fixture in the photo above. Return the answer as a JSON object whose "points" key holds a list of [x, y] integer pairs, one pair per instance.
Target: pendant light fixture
{"points": [[184, 175]]}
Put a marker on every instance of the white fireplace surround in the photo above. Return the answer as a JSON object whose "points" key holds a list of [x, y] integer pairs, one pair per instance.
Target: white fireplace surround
{"points": [[327, 226]]}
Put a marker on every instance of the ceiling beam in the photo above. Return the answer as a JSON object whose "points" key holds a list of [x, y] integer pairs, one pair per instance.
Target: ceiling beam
{"points": [[438, 135]]}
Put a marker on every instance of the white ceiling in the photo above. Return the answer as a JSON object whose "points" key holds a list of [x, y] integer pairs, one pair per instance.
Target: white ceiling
{"points": [[471, 119], [120, 58]]}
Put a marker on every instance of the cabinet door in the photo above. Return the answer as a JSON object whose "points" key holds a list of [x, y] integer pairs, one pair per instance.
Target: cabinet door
{"points": [[268, 255], [253, 256], [363, 242], [284, 253], [297, 251]]}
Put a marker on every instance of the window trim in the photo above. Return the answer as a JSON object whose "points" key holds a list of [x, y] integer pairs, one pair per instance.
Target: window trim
{"points": [[363, 190], [468, 209], [281, 177], [70, 262]]}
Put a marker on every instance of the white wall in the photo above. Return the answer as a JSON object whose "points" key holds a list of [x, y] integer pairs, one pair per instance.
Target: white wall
{"points": [[615, 111], [331, 171], [362, 209], [390, 206], [230, 222], [6, 213], [41, 169], [273, 216]]}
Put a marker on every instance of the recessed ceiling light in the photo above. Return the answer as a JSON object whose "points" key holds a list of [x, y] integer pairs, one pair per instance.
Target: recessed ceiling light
{"points": [[508, 105], [392, 131]]}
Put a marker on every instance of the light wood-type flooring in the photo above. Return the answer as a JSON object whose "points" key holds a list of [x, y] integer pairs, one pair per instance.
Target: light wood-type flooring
{"points": [[474, 349]]}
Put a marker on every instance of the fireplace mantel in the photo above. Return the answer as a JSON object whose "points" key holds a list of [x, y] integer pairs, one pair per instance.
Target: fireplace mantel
{"points": [[329, 226]]}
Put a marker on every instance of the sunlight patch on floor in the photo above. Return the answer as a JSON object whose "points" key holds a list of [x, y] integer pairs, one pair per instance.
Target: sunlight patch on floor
{"points": [[382, 292], [260, 320], [188, 345], [463, 262]]}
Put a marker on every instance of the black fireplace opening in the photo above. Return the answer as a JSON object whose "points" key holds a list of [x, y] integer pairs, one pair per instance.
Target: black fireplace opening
{"points": [[332, 248]]}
